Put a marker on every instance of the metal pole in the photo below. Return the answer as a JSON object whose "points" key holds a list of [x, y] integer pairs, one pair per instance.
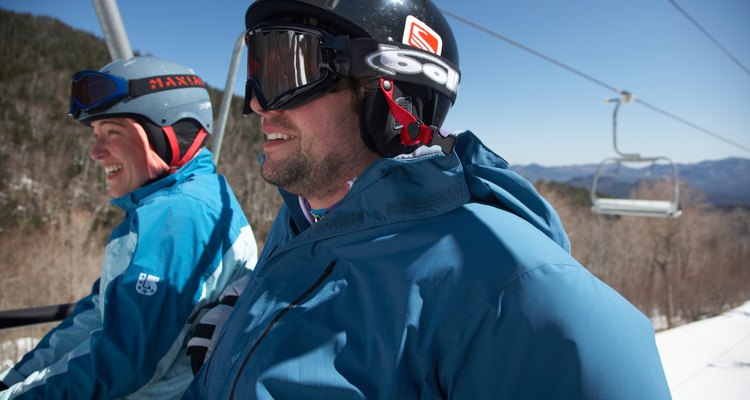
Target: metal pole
{"points": [[626, 98], [226, 101], [36, 315], [113, 29]]}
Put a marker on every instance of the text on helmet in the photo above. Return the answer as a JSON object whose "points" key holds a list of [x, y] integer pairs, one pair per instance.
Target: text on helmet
{"points": [[392, 60]]}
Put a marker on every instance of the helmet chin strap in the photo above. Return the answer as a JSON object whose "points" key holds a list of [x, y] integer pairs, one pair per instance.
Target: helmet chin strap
{"points": [[177, 162], [414, 132]]}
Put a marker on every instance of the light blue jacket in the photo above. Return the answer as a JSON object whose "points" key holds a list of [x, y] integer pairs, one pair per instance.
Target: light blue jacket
{"points": [[443, 277], [183, 239]]}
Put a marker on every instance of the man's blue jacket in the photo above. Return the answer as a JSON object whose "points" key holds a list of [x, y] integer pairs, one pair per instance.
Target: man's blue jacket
{"points": [[435, 277], [183, 239]]}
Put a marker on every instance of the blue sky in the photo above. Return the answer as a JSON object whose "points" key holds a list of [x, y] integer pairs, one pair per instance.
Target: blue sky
{"points": [[526, 109]]}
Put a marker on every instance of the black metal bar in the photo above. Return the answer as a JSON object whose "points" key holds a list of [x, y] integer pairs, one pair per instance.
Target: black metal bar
{"points": [[36, 315]]}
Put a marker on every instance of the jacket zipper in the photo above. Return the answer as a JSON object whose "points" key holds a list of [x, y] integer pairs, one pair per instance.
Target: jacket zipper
{"points": [[276, 319]]}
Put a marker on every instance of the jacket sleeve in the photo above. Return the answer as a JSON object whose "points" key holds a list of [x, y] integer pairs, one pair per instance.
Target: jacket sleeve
{"points": [[556, 332], [71, 332], [145, 307]]}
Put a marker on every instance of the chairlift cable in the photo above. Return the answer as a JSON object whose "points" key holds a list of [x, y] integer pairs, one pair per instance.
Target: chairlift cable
{"points": [[530, 50], [709, 36], [698, 127], [589, 78]]}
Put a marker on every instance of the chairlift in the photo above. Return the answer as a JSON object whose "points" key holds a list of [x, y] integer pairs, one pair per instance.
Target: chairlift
{"points": [[630, 206]]}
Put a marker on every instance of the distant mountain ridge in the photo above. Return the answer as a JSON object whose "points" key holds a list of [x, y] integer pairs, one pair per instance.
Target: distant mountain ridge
{"points": [[724, 182]]}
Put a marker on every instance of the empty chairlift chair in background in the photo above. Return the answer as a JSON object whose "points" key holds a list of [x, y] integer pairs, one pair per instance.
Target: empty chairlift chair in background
{"points": [[668, 207]]}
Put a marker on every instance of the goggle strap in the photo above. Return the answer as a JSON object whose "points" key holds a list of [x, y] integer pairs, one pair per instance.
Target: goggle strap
{"points": [[153, 84], [365, 48], [361, 48]]}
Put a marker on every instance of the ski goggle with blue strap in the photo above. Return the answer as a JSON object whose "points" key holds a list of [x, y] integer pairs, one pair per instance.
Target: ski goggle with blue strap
{"points": [[93, 90]]}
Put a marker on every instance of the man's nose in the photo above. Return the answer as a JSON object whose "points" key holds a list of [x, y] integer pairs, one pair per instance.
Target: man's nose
{"points": [[255, 106]]}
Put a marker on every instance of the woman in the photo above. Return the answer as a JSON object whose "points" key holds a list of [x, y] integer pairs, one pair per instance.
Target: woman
{"points": [[183, 239]]}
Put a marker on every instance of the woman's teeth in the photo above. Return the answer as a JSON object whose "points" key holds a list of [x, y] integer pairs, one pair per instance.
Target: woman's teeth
{"points": [[112, 169]]}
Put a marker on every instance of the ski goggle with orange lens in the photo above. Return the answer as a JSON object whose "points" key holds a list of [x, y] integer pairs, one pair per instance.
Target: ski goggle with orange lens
{"points": [[94, 90], [290, 64]]}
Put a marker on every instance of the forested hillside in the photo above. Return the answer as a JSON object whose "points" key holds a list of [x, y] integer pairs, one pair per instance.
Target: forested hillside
{"points": [[55, 214]]}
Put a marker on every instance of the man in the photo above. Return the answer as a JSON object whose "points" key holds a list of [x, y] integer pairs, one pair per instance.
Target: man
{"points": [[183, 239], [405, 263]]}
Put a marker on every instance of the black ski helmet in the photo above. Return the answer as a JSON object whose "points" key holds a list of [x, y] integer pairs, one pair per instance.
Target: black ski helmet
{"points": [[167, 99], [406, 46]]}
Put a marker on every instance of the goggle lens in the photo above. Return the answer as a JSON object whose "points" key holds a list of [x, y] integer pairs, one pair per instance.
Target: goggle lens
{"points": [[92, 89], [281, 61], [286, 65]]}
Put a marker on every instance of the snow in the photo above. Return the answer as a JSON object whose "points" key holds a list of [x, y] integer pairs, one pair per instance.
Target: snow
{"points": [[709, 359]]}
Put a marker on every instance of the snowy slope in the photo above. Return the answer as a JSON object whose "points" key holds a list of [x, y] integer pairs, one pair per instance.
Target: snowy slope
{"points": [[709, 359]]}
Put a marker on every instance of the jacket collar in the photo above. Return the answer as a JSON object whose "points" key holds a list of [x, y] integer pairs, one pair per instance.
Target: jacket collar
{"points": [[394, 190], [200, 164]]}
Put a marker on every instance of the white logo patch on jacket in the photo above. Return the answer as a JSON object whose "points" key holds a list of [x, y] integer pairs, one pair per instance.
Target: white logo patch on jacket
{"points": [[147, 284]]}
